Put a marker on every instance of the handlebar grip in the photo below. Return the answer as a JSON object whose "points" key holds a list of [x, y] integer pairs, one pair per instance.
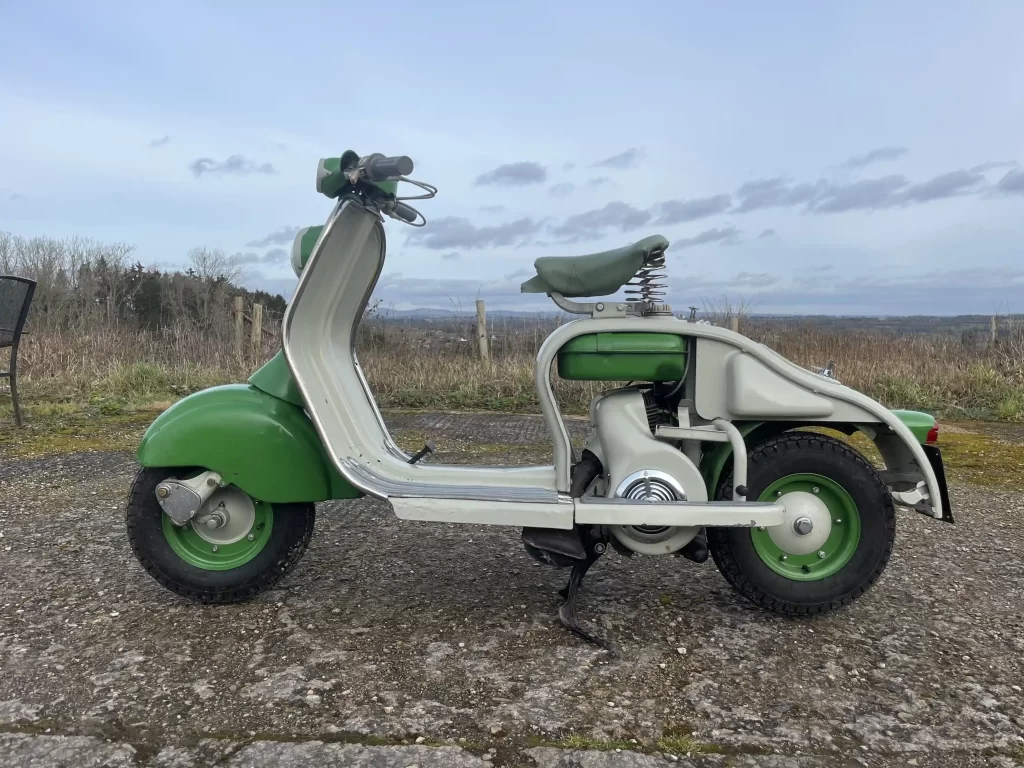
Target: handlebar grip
{"points": [[380, 168], [405, 212]]}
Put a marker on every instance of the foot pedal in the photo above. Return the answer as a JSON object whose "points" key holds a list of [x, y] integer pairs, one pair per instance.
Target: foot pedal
{"points": [[426, 450], [561, 542]]}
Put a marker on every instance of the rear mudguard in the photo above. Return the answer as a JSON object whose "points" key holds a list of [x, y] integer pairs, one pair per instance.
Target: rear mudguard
{"points": [[714, 462], [263, 444]]}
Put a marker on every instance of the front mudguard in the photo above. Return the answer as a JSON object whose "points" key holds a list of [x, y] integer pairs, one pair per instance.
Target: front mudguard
{"points": [[264, 445]]}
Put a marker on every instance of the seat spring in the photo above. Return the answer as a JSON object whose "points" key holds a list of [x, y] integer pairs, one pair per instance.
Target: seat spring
{"points": [[648, 283]]}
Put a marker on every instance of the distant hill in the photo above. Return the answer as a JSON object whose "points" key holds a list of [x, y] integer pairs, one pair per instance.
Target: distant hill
{"points": [[910, 324]]}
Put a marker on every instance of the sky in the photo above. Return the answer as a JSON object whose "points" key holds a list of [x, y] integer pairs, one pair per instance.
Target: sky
{"points": [[837, 158]]}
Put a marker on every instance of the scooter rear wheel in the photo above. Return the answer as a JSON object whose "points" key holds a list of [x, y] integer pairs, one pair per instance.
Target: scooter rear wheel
{"points": [[256, 546], [839, 530]]}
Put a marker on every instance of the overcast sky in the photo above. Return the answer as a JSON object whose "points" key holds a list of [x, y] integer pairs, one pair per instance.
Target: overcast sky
{"points": [[854, 158]]}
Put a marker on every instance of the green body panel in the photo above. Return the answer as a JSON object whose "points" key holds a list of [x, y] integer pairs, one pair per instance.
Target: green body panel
{"points": [[265, 445], [618, 356], [713, 462], [275, 378], [596, 274], [919, 423], [302, 247]]}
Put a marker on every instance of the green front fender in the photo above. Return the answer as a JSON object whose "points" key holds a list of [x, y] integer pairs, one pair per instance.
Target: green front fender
{"points": [[264, 445]]}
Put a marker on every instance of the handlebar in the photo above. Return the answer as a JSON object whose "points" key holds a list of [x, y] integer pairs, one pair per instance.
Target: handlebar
{"points": [[381, 168], [405, 212]]}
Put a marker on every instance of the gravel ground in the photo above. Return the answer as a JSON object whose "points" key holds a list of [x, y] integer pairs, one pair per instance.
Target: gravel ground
{"points": [[391, 639]]}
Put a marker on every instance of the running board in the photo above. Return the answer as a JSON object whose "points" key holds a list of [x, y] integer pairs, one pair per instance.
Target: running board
{"points": [[745, 514], [595, 510]]}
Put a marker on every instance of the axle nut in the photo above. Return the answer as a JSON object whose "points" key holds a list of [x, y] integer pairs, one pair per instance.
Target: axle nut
{"points": [[803, 525]]}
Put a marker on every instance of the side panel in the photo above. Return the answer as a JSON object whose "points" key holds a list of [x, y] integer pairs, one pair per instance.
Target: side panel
{"points": [[264, 445]]}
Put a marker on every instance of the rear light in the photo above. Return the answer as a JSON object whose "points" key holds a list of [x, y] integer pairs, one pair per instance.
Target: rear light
{"points": [[933, 435]]}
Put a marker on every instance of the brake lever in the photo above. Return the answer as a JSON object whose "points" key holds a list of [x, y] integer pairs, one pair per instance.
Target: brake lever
{"points": [[430, 189], [404, 213]]}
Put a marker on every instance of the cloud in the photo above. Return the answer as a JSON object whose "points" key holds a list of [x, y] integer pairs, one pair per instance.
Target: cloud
{"points": [[592, 224], [15, 196], [599, 181], [519, 274], [880, 155], [942, 186], [514, 175], [568, 166], [773, 193], [754, 279], [283, 236], [273, 256], [629, 158], [1012, 183], [766, 233], [236, 165], [163, 141], [862, 195], [728, 235], [454, 232], [680, 211], [561, 190], [451, 256], [993, 164], [825, 196], [492, 208]]}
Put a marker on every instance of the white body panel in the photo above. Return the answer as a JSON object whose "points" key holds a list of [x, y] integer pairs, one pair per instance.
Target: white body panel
{"points": [[318, 340]]}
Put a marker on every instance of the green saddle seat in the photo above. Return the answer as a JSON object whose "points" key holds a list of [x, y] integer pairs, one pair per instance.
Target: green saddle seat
{"points": [[596, 274]]}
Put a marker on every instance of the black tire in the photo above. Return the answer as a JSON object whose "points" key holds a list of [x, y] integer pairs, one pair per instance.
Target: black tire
{"points": [[290, 534], [796, 453]]}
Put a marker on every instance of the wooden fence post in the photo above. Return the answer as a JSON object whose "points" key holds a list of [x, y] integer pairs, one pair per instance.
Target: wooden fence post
{"points": [[239, 325], [257, 329], [481, 329], [993, 332], [734, 323]]}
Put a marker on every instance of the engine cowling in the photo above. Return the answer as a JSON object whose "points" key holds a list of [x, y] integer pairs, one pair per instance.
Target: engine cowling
{"points": [[638, 467]]}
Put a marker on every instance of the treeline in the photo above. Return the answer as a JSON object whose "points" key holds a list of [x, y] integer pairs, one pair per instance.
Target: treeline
{"points": [[83, 284]]}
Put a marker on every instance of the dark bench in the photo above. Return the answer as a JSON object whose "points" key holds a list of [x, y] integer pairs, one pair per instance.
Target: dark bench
{"points": [[15, 299]]}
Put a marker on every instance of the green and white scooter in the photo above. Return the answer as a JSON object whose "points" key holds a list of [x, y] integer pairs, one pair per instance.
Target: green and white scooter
{"points": [[717, 444]]}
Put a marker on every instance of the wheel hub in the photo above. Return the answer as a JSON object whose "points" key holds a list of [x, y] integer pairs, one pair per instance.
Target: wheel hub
{"points": [[806, 523], [226, 517], [820, 528]]}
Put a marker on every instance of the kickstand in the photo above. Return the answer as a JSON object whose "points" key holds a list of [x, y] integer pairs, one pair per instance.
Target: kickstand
{"points": [[567, 611]]}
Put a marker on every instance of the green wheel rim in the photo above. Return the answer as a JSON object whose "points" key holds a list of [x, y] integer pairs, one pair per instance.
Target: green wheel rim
{"points": [[197, 551], [838, 548]]}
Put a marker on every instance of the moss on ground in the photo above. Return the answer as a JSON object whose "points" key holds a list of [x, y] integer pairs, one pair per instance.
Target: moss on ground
{"points": [[62, 428]]}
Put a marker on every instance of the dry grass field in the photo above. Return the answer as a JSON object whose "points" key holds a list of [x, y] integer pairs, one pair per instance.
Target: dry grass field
{"points": [[115, 369]]}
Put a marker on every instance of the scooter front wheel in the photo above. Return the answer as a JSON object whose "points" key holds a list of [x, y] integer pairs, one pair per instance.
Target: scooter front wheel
{"points": [[838, 531], [253, 547]]}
